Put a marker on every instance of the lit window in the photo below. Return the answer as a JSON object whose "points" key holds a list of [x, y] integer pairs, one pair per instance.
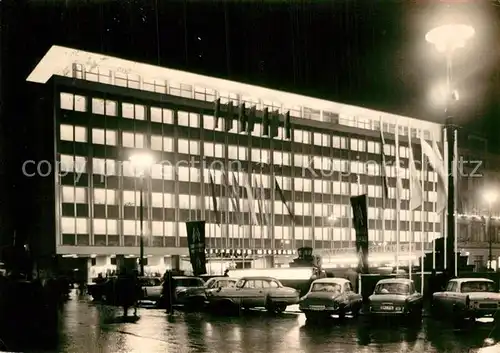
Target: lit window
{"points": [[127, 110], [130, 227], [129, 139], [156, 142], [183, 173], [208, 122], [98, 136], [68, 225], [156, 115], [99, 226], [80, 103], [183, 146], [131, 198], [112, 226], [72, 194], [67, 132], [103, 166], [82, 226], [98, 106], [157, 228], [111, 108], [168, 144], [183, 118], [168, 200], [140, 112], [80, 134], [80, 195], [157, 199], [66, 101]]}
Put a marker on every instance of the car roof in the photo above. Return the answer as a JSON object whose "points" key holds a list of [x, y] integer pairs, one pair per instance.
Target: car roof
{"points": [[336, 280], [223, 278], [267, 278], [462, 280], [186, 277], [396, 280]]}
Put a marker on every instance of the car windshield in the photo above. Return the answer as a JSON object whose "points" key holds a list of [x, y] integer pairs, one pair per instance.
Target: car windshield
{"points": [[477, 286], [188, 282], [392, 288], [326, 287]]}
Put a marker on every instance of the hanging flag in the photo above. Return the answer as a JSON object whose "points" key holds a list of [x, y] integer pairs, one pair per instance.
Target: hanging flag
{"points": [[274, 127], [288, 126], [282, 197], [229, 191], [214, 198], [260, 202], [235, 187], [360, 223], [216, 113], [399, 184], [196, 243], [229, 117], [264, 202], [242, 117], [437, 164], [251, 203], [265, 122], [383, 172], [251, 118], [416, 194]]}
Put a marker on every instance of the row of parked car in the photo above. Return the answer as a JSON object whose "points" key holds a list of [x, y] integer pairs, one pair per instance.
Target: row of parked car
{"points": [[463, 298]]}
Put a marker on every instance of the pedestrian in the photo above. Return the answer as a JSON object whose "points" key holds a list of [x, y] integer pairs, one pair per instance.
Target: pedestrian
{"points": [[126, 291], [167, 292]]}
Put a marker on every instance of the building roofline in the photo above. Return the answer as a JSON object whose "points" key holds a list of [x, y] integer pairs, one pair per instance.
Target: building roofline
{"points": [[58, 61]]}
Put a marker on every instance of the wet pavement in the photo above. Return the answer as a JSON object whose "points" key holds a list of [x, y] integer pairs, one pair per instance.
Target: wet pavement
{"points": [[90, 327]]}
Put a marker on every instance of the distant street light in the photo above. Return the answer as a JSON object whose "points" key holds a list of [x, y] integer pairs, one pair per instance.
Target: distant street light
{"points": [[447, 39], [490, 196], [141, 162]]}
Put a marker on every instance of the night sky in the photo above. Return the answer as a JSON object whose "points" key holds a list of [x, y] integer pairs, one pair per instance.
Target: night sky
{"points": [[364, 52]]}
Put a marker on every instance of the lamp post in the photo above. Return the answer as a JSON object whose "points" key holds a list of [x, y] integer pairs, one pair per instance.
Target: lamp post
{"points": [[490, 197], [141, 162], [447, 39]]}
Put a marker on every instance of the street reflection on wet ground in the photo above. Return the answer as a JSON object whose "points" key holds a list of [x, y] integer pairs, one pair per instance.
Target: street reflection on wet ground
{"points": [[89, 327]]}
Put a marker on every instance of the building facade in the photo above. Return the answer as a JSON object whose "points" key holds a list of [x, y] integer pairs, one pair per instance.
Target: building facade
{"points": [[104, 109]]}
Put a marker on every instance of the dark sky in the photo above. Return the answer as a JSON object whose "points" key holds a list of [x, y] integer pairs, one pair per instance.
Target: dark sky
{"points": [[369, 53], [363, 52]]}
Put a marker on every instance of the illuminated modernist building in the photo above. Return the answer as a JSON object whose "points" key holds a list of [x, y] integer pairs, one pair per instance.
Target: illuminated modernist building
{"points": [[105, 108]]}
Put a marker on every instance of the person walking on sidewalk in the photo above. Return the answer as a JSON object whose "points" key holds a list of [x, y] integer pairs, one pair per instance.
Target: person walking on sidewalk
{"points": [[168, 292]]}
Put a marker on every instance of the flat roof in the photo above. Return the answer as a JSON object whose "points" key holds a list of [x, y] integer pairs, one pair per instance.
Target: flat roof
{"points": [[59, 60]]}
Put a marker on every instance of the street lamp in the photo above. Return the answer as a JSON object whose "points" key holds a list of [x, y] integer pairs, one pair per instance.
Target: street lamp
{"points": [[447, 39], [490, 197], [141, 162]]}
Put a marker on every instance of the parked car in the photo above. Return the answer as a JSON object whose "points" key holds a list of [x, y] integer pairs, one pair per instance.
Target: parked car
{"points": [[395, 297], [466, 298], [255, 292], [330, 296], [100, 290], [151, 290], [189, 291], [214, 283]]}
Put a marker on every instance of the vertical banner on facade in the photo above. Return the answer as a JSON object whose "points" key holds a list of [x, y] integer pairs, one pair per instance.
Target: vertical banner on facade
{"points": [[360, 223], [196, 244]]}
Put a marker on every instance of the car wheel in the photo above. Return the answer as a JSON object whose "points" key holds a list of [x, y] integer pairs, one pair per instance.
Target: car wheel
{"points": [[280, 308]]}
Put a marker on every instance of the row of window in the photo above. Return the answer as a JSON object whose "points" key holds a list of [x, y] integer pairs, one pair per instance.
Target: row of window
{"points": [[71, 225], [320, 168], [109, 137], [78, 195], [206, 94]]}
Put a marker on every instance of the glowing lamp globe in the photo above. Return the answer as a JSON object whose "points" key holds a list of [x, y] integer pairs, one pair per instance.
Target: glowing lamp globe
{"points": [[448, 38]]}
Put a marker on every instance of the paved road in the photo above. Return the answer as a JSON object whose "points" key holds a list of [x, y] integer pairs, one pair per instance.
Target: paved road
{"points": [[89, 327]]}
